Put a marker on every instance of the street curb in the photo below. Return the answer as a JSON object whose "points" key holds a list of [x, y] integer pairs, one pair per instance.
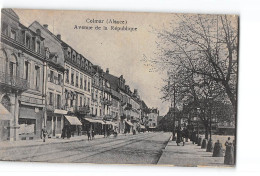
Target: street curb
{"points": [[162, 151]]}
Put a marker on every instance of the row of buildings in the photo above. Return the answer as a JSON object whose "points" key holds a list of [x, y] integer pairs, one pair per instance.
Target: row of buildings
{"points": [[46, 83]]}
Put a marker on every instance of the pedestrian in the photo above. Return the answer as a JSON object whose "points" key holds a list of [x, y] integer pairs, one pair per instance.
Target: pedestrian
{"points": [[68, 132], [44, 133], [63, 134], [179, 136], [93, 134], [183, 133], [88, 133], [229, 154]]}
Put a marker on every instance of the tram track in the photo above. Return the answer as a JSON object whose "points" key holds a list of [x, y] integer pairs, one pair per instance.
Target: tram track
{"points": [[62, 151]]}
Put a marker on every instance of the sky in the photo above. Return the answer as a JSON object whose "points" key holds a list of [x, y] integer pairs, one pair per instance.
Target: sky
{"points": [[120, 51]]}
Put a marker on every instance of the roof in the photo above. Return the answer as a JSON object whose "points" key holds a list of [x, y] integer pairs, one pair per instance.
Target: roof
{"points": [[113, 80], [11, 13]]}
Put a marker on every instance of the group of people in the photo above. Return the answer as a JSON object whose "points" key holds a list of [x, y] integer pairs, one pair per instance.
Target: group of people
{"points": [[66, 132], [182, 136], [91, 134]]}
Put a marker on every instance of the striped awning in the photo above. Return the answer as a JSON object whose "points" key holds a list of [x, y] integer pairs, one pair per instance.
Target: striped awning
{"points": [[4, 113], [100, 121], [73, 120]]}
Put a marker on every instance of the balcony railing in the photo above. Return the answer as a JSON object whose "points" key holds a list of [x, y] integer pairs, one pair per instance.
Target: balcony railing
{"points": [[106, 102], [13, 81]]}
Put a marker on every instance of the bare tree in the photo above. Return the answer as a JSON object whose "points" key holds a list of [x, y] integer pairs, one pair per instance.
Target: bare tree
{"points": [[204, 48]]}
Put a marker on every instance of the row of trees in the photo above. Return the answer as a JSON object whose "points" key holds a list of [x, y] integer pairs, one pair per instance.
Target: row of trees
{"points": [[200, 54]]}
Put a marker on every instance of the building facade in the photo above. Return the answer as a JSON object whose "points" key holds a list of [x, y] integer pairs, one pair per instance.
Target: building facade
{"points": [[22, 56], [53, 72]]}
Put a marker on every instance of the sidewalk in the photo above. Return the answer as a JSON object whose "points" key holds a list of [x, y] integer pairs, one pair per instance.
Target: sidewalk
{"points": [[189, 155], [24, 143]]}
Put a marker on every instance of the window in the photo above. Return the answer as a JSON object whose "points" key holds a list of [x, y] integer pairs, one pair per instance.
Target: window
{"points": [[72, 78], [51, 98], [77, 80], [12, 69], [85, 84], [59, 79], [71, 103], [28, 41], [26, 70], [13, 34], [67, 76], [5, 29], [37, 77], [88, 101], [51, 76], [58, 102], [38, 47], [80, 102], [88, 86], [81, 83], [69, 54]]}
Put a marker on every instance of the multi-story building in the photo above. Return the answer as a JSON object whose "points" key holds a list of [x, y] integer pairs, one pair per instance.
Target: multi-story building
{"points": [[152, 118], [53, 85], [21, 93], [77, 85]]}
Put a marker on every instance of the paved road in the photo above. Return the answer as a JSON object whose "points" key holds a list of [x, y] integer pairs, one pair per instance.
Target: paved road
{"points": [[144, 148]]}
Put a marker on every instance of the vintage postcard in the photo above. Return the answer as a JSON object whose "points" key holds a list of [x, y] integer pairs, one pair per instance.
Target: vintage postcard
{"points": [[118, 87]]}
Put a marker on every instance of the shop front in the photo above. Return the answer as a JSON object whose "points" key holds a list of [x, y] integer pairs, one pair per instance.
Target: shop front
{"points": [[72, 127], [55, 123], [30, 122], [128, 127], [5, 118]]}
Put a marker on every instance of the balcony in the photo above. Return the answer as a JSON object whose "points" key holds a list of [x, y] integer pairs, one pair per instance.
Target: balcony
{"points": [[83, 110], [14, 82], [107, 102]]}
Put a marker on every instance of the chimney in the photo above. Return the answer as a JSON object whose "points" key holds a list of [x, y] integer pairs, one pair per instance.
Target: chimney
{"points": [[135, 92], [59, 36], [45, 26], [107, 70]]}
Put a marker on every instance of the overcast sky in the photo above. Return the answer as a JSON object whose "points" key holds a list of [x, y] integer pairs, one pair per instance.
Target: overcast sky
{"points": [[122, 52]]}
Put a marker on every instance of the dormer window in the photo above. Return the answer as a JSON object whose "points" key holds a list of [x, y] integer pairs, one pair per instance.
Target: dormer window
{"points": [[74, 58], [5, 29], [13, 34], [69, 54], [28, 41], [38, 47], [47, 53]]}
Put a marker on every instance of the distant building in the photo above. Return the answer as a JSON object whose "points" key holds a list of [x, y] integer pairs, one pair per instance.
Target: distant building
{"points": [[152, 118]]}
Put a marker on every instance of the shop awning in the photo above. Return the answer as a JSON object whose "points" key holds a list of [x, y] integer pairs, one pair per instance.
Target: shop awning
{"points": [[73, 120], [142, 127], [99, 121], [111, 123], [90, 120], [5, 114], [60, 111], [129, 123]]}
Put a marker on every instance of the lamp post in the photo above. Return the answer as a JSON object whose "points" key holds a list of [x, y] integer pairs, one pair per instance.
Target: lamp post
{"points": [[210, 143], [198, 110], [174, 113]]}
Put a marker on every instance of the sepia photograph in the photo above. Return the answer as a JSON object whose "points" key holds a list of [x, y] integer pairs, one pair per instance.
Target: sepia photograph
{"points": [[124, 88]]}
